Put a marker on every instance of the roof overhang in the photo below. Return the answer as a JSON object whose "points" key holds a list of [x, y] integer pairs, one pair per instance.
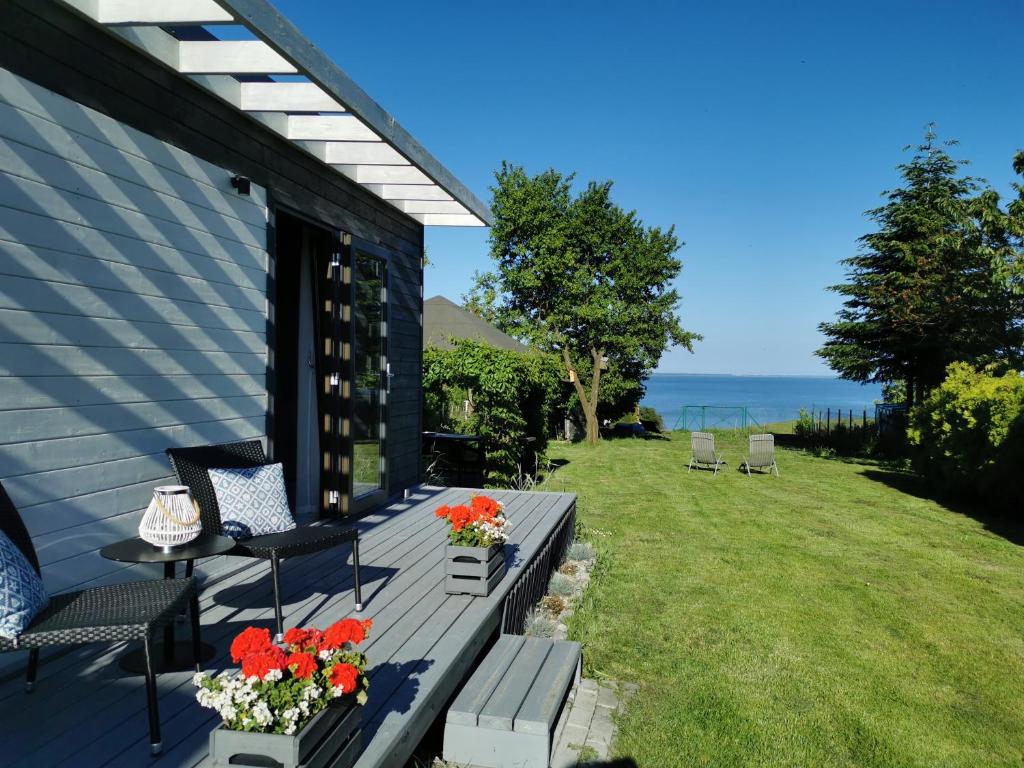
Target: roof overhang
{"points": [[316, 106]]}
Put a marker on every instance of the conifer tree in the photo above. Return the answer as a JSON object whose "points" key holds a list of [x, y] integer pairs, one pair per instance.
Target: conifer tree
{"points": [[936, 283]]}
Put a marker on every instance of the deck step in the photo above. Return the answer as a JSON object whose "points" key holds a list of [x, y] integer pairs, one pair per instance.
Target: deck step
{"points": [[506, 714]]}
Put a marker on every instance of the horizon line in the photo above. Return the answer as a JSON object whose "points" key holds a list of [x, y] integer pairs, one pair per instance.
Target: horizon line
{"points": [[763, 375]]}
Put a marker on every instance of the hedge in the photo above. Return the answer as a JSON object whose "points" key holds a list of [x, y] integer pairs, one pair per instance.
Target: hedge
{"points": [[967, 436]]}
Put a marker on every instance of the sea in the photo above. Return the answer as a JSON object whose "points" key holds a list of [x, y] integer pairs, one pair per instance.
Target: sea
{"points": [[696, 401]]}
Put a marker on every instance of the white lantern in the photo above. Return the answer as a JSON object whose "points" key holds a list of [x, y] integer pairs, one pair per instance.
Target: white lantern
{"points": [[172, 518]]}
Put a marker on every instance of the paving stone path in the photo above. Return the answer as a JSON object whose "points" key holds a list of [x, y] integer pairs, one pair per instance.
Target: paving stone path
{"points": [[589, 727]]}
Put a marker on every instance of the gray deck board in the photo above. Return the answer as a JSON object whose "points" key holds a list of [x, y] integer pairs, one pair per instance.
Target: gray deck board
{"points": [[500, 710], [466, 708], [541, 705], [422, 644]]}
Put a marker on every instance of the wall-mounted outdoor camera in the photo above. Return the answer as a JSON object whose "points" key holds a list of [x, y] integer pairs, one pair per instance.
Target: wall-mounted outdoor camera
{"points": [[242, 184]]}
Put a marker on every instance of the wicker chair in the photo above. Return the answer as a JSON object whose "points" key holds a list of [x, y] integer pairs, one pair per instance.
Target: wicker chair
{"points": [[762, 454], [192, 466], [109, 614], [704, 454]]}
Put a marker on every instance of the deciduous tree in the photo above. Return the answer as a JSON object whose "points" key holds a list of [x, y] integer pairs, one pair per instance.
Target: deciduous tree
{"points": [[578, 275]]}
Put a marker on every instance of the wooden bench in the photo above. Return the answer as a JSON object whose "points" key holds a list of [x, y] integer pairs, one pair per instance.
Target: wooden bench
{"points": [[506, 714]]}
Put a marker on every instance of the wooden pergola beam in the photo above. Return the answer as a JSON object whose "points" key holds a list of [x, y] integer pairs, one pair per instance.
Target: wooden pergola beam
{"points": [[384, 174], [231, 57], [429, 206], [286, 97], [169, 12], [409, 191], [329, 116]]}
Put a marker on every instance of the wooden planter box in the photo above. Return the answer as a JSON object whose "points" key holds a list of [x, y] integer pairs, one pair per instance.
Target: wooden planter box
{"points": [[473, 570], [332, 738]]}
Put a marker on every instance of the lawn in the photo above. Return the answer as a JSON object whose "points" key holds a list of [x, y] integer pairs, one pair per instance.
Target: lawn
{"points": [[831, 617]]}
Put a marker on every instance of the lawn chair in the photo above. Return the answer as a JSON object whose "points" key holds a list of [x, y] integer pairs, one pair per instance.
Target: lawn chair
{"points": [[761, 454], [109, 614], [704, 453], [192, 466]]}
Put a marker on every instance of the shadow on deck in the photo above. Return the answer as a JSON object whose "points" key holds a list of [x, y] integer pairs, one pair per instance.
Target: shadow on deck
{"points": [[86, 711]]}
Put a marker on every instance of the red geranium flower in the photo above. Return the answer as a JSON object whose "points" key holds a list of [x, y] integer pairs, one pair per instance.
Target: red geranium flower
{"points": [[249, 641], [461, 516], [344, 676], [485, 506], [262, 662], [316, 637], [297, 637], [302, 665], [442, 511], [345, 631], [301, 639]]}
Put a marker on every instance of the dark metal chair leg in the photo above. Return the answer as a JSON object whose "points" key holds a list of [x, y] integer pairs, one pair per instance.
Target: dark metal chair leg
{"points": [[197, 643], [355, 574], [275, 568], [190, 567], [30, 673], [151, 701]]}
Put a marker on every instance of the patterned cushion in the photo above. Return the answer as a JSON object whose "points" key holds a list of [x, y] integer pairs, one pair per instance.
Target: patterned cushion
{"points": [[252, 500], [22, 595]]}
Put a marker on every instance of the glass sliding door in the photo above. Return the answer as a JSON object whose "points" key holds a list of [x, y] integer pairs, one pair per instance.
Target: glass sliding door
{"points": [[369, 324]]}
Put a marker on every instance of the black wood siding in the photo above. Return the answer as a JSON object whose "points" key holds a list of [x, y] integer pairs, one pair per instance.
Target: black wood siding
{"points": [[50, 45]]}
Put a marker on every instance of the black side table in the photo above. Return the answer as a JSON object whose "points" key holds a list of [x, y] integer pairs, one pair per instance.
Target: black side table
{"points": [[169, 656]]}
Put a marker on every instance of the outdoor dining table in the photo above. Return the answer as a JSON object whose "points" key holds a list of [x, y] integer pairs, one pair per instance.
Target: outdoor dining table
{"points": [[170, 655], [450, 441]]}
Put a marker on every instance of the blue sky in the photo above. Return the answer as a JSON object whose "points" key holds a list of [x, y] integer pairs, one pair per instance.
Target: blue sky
{"points": [[762, 131]]}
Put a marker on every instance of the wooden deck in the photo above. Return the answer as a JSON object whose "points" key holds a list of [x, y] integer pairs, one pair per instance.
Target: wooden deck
{"points": [[87, 712]]}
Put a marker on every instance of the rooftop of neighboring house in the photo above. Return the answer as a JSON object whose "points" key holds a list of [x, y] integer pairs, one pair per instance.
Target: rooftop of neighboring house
{"points": [[444, 320]]}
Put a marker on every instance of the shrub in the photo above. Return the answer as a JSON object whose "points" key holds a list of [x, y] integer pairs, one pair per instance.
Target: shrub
{"points": [[580, 550], [966, 433], [538, 624], [651, 419], [512, 394], [553, 605], [561, 585], [804, 426]]}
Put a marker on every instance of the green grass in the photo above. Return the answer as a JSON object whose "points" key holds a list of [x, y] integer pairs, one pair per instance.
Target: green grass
{"points": [[824, 618]]}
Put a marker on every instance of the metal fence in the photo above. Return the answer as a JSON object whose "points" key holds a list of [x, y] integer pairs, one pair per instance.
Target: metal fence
{"points": [[826, 420], [891, 418], [532, 583], [700, 418]]}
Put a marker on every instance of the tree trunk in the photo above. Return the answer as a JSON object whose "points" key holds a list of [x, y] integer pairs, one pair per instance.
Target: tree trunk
{"points": [[587, 403], [593, 428]]}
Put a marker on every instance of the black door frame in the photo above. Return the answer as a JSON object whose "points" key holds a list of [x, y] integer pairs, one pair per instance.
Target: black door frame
{"points": [[337, 444], [373, 498]]}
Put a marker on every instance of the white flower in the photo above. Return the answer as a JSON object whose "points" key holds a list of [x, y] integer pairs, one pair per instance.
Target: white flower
{"points": [[261, 713]]}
